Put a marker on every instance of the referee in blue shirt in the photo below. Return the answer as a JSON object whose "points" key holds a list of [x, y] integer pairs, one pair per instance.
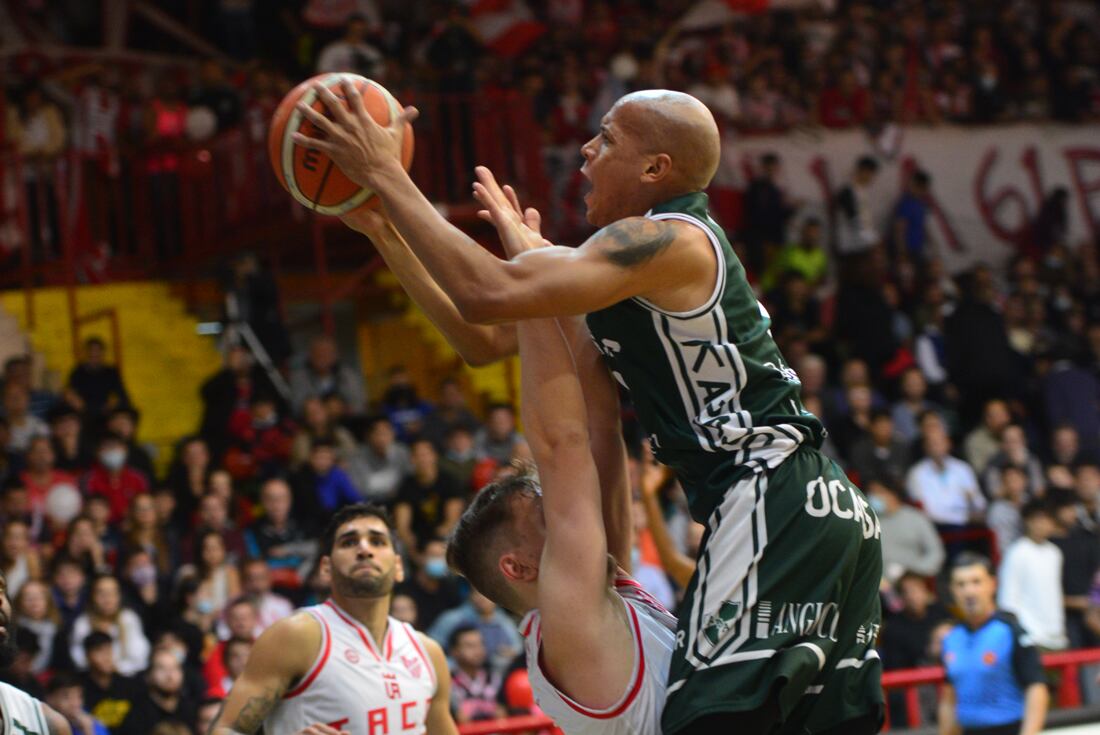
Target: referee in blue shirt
{"points": [[995, 682]]}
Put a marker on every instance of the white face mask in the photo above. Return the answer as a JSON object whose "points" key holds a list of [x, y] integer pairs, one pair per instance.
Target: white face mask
{"points": [[113, 459]]}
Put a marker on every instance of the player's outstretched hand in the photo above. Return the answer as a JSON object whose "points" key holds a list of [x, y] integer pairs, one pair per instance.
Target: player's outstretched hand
{"points": [[519, 229], [358, 145]]}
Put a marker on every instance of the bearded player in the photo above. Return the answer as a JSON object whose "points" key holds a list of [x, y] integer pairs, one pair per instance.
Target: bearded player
{"points": [[344, 667], [778, 627], [20, 713]]}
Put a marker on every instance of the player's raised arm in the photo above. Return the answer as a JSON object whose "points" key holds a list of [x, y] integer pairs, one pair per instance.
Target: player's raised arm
{"points": [[635, 256], [578, 619], [279, 658], [605, 432], [477, 344]]}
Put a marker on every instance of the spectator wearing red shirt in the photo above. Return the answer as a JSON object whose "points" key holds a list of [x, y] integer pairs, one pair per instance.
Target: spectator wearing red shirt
{"points": [[242, 623], [112, 478], [845, 103]]}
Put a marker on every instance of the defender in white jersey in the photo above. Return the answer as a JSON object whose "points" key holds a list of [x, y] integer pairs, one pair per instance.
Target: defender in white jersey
{"points": [[345, 667], [20, 713], [598, 647]]}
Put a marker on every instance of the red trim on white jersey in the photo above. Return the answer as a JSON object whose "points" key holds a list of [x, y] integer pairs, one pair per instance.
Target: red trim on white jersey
{"points": [[427, 661], [641, 592], [363, 635], [634, 689], [319, 664]]}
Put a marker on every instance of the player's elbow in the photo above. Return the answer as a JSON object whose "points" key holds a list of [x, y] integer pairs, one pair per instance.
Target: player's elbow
{"points": [[484, 352], [477, 357], [479, 306], [566, 438]]}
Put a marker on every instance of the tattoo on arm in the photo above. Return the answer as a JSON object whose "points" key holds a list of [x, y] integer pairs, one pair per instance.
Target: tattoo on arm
{"points": [[251, 717], [636, 240]]}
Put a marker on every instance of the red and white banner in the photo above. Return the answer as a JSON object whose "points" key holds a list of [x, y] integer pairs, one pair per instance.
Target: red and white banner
{"points": [[507, 27], [987, 183], [707, 14]]}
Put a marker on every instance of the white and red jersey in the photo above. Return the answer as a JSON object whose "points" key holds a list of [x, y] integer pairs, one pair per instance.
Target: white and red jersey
{"points": [[638, 711], [357, 685]]}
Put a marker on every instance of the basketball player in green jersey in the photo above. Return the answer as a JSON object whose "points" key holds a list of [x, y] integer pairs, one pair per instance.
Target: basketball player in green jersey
{"points": [[777, 629]]}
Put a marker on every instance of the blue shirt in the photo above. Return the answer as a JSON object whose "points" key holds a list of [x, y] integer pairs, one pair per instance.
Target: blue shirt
{"points": [[336, 489], [990, 669], [913, 212]]}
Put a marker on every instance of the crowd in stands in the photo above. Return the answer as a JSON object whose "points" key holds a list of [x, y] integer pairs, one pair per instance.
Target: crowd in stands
{"points": [[846, 64], [864, 65]]}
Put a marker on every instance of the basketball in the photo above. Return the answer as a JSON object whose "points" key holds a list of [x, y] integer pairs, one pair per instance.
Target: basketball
{"points": [[310, 176]]}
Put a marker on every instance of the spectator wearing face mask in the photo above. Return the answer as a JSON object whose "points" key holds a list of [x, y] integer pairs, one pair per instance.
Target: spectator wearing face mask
{"points": [[432, 587], [123, 421], [909, 540], [113, 479]]}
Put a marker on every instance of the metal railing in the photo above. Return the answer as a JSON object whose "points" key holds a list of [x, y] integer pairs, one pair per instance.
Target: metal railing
{"points": [[1068, 694]]}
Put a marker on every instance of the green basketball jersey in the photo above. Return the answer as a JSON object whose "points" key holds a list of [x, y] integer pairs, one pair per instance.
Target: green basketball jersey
{"points": [[710, 386]]}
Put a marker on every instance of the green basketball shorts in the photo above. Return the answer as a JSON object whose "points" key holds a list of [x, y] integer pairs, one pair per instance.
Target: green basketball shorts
{"points": [[784, 603]]}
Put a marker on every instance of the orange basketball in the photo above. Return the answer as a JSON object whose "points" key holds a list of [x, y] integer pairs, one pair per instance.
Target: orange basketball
{"points": [[310, 176]]}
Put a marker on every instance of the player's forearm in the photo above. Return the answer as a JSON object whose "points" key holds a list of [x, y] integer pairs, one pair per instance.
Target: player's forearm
{"points": [[461, 267], [1036, 701], [552, 401], [948, 725], [601, 398], [477, 344]]}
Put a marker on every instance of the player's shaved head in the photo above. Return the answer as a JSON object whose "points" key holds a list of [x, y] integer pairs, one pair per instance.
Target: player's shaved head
{"points": [[677, 124]]}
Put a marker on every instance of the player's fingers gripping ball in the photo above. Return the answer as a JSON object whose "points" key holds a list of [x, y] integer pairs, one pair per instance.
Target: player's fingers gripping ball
{"points": [[309, 174]]}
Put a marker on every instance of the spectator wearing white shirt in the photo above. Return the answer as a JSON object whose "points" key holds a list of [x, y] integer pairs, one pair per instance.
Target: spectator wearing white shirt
{"points": [[1030, 580], [945, 486], [352, 53]]}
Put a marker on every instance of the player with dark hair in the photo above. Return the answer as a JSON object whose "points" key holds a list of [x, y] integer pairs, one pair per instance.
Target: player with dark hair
{"points": [[344, 667], [20, 713], [995, 683]]}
